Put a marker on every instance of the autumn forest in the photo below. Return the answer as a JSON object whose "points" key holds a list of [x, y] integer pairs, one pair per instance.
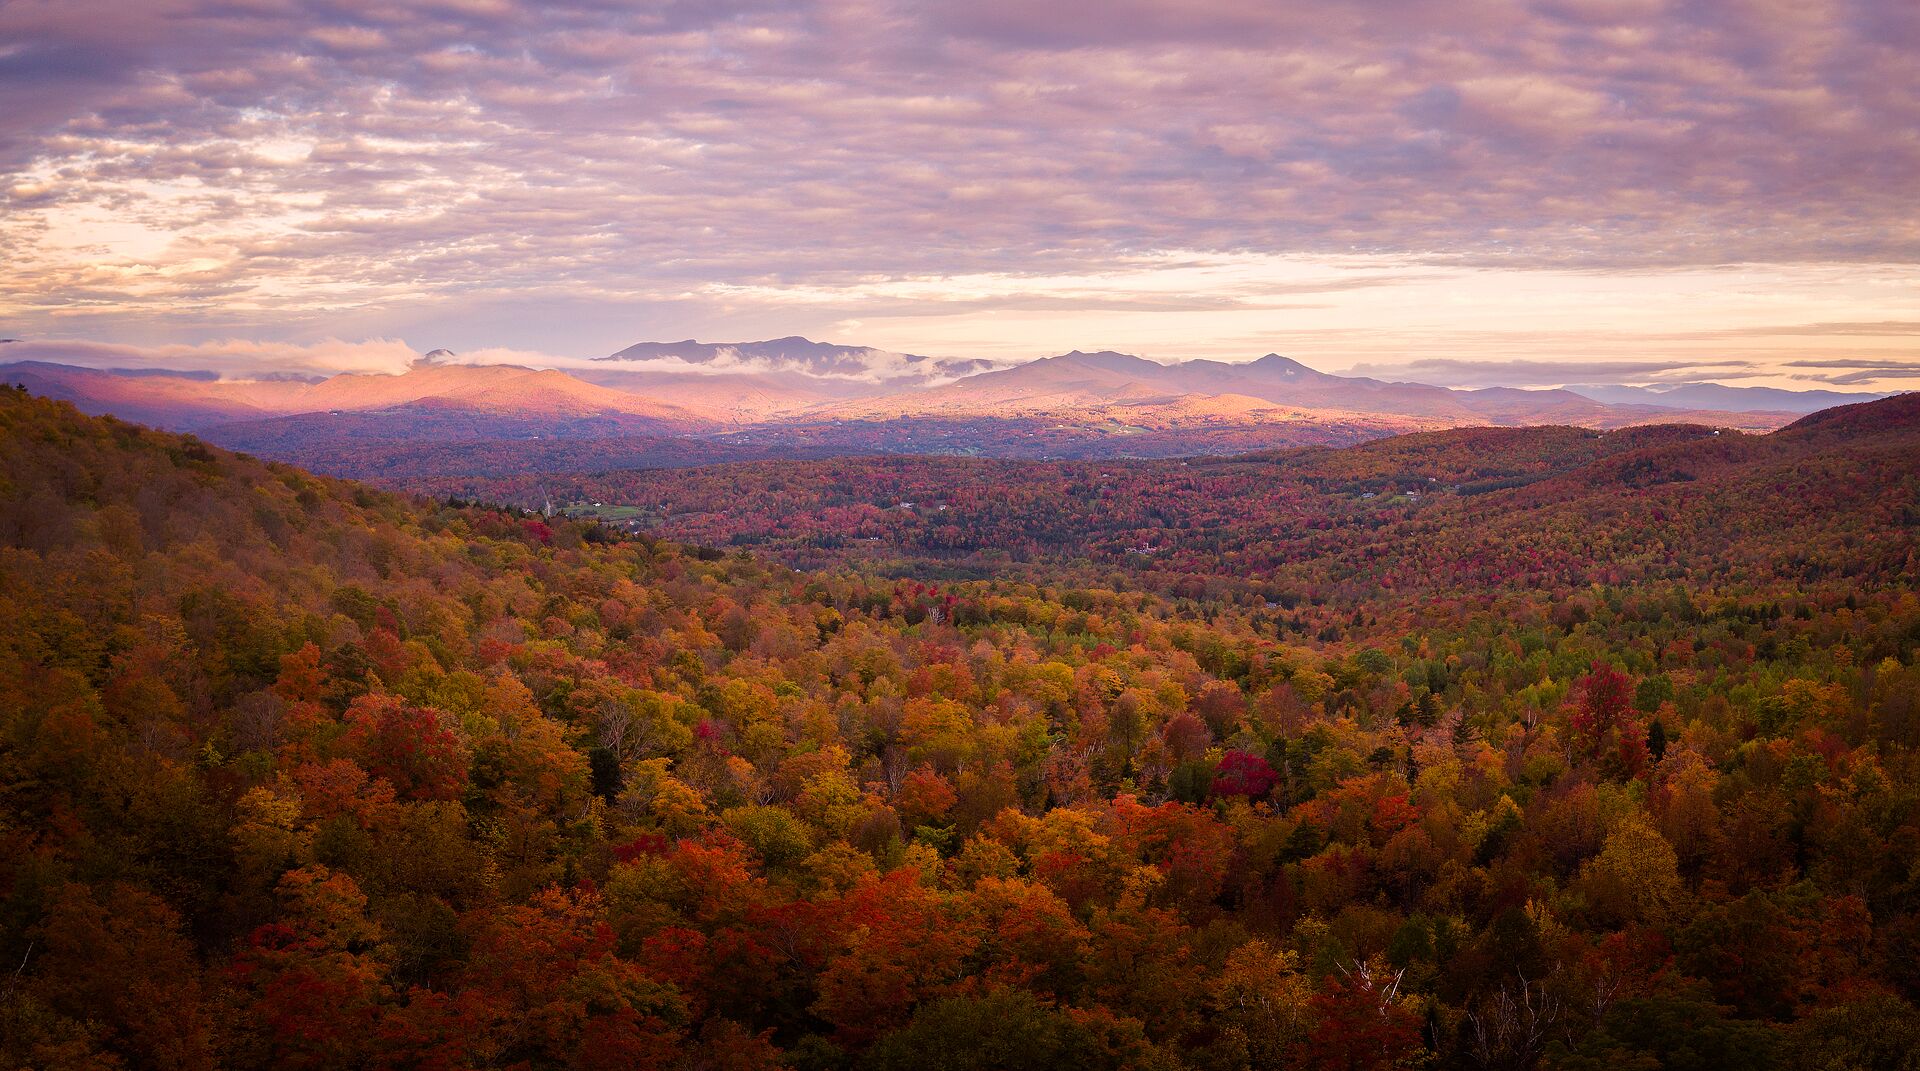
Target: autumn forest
{"points": [[302, 774]]}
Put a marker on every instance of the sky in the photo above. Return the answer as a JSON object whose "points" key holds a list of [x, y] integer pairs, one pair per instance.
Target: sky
{"points": [[1526, 192]]}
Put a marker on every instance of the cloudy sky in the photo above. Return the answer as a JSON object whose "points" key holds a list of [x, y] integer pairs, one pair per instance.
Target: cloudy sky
{"points": [[1526, 191]]}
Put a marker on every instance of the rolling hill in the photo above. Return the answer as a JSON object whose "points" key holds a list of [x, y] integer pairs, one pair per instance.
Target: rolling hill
{"points": [[1451, 511]]}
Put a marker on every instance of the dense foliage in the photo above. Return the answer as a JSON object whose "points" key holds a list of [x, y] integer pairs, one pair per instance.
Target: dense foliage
{"points": [[1464, 514], [295, 773], [419, 443]]}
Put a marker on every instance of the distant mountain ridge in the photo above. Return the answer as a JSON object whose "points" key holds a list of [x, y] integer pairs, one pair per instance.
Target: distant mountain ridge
{"points": [[796, 397], [198, 402], [1078, 379], [1720, 396]]}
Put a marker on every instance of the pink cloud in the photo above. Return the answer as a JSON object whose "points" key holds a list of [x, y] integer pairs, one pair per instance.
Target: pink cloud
{"points": [[291, 162]]}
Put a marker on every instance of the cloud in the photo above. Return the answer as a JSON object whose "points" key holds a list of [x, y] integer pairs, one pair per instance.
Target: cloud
{"points": [[240, 359], [1450, 372], [234, 359], [195, 169], [1855, 371], [1867, 376], [864, 365], [1892, 328]]}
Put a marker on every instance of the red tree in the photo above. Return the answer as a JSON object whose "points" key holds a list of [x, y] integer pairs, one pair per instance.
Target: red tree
{"points": [[407, 746], [1243, 773]]}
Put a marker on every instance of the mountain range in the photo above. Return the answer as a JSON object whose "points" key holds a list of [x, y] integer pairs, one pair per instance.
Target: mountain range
{"points": [[1720, 396], [668, 403]]}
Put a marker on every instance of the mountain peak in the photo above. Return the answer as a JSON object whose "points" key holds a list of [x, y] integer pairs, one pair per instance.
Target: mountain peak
{"points": [[1275, 364], [1110, 360], [1878, 417]]}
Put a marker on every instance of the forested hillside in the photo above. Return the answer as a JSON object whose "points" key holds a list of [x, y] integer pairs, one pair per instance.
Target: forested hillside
{"points": [[1462, 513], [299, 774]]}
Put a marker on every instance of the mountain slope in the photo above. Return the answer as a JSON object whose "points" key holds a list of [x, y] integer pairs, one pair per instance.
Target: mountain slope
{"points": [[729, 398], [487, 392], [162, 399], [502, 390], [1077, 380], [1835, 498]]}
